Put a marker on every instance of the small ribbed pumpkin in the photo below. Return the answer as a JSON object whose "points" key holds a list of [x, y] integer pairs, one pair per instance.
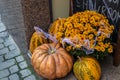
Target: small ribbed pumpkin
{"points": [[51, 61], [87, 68], [36, 40]]}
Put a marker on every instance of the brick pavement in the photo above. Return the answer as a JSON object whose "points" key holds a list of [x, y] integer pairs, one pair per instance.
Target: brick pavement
{"points": [[13, 65], [12, 18]]}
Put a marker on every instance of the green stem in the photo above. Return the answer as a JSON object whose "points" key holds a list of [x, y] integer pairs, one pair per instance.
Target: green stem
{"points": [[79, 58]]}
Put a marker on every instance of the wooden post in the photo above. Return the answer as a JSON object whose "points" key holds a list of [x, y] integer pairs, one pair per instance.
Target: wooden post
{"points": [[116, 57], [71, 8], [36, 13]]}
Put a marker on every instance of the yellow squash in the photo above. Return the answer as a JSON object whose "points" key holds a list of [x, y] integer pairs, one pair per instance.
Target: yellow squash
{"points": [[36, 40]]}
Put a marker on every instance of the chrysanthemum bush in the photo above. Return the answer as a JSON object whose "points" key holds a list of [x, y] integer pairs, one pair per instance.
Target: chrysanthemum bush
{"points": [[84, 33]]}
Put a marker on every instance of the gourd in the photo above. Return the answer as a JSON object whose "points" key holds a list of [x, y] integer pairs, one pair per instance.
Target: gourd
{"points": [[87, 68], [51, 61], [36, 40]]}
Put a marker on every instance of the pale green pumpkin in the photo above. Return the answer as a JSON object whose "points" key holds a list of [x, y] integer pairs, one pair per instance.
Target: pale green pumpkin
{"points": [[87, 68]]}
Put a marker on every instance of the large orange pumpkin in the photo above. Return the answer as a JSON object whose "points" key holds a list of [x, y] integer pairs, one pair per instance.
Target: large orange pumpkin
{"points": [[51, 61]]}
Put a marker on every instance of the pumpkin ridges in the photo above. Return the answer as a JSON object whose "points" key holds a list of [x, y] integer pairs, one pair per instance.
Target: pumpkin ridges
{"points": [[95, 61], [36, 40], [58, 74], [82, 75], [37, 54], [87, 72], [50, 67], [39, 62], [41, 49], [65, 61], [92, 67], [37, 50], [86, 69], [51, 63], [37, 69], [42, 69], [57, 62], [34, 57], [94, 72], [40, 37], [44, 47], [31, 43], [55, 56], [49, 47], [67, 56], [63, 67], [76, 70]]}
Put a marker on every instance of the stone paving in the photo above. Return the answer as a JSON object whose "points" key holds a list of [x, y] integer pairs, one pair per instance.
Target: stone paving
{"points": [[14, 62], [12, 18], [13, 65]]}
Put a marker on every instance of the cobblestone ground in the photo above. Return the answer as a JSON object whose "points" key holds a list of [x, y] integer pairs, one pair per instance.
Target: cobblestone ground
{"points": [[13, 65], [12, 18]]}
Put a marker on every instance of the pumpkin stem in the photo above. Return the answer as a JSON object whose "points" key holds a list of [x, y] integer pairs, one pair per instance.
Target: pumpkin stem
{"points": [[79, 58], [52, 51]]}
